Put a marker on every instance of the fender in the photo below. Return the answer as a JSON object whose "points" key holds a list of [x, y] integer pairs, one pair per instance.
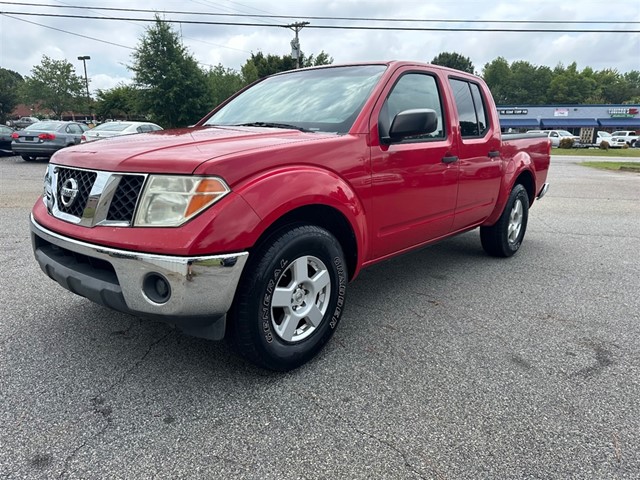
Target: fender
{"points": [[275, 193], [519, 163]]}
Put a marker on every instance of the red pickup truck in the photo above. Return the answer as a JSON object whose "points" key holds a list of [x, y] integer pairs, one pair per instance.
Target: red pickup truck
{"points": [[252, 223]]}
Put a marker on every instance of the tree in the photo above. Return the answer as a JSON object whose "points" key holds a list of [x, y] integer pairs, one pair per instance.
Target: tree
{"points": [[55, 86], [173, 88], [322, 58], [260, 66], [10, 83], [497, 74], [223, 82], [119, 102], [453, 60]]}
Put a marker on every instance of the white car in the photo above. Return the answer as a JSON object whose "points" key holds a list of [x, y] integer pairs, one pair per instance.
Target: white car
{"points": [[555, 136], [603, 137], [114, 129], [625, 136]]}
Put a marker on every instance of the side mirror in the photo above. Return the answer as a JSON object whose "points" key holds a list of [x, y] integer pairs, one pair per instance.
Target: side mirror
{"points": [[419, 121]]}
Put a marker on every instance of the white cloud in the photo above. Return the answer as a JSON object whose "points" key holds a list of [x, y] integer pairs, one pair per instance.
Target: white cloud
{"points": [[23, 44]]}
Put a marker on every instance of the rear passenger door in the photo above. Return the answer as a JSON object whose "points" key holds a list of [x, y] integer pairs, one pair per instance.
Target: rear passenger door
{"points": [[480, 162]]}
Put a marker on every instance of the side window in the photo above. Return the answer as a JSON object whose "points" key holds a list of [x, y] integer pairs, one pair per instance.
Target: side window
{"points": [[481, 109], [413, 90], [471, 109]]}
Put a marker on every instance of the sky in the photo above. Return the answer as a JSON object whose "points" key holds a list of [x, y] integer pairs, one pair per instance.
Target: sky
{"points": [[25, 39]]}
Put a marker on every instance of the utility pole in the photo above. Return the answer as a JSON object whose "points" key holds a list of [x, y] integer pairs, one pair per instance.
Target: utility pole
{"points": [[295, 43], [84, 59]]}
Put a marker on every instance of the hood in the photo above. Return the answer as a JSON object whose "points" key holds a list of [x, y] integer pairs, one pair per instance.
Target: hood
{"points": [[175, 151]]}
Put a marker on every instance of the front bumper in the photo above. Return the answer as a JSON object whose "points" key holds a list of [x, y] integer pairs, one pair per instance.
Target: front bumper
{"points": [[197, 291]]}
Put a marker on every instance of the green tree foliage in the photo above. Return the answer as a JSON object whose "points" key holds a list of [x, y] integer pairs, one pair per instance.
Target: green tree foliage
{"points": [[172, 87], [523, 83], [10, 83], [497, 74], [454, 60], [54, 85], [119, 102], [223, 82], [261, 65]]}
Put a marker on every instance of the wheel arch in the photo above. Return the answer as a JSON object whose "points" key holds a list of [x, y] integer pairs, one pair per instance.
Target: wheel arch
{"points": [[313, 196], [322, 216]]}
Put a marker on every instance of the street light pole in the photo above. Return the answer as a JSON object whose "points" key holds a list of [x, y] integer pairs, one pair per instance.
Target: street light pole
{"points": [[84, 59]]}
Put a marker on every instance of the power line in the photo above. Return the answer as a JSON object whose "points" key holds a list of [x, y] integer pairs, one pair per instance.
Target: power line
{"points": [[316, 17], [66, 31], [334, 27], [84, 36]]}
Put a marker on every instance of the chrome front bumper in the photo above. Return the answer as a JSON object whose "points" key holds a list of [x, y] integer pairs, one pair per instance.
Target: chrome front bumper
{"points": [[200, 289]]}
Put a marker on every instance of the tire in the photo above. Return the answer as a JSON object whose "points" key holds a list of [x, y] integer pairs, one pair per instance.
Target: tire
{"points": [[28, 158], [290, 298], [505, 237]]}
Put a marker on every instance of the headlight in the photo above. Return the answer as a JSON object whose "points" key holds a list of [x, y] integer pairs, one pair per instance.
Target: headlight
{"points": [[169, 201]]}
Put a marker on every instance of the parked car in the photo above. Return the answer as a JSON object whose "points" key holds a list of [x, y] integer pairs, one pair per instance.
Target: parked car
{"points": [[22, 122], [114, 129], [556, 136], [5, 140], [268, 207], [630, 137], [603, 137], [43, 139]]}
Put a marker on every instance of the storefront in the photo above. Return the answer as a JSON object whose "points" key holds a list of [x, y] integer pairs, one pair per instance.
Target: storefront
{"points": [[582, 120]]}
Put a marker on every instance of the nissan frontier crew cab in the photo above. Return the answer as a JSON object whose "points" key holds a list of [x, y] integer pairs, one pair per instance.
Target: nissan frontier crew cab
{"points": [[252, 223]]}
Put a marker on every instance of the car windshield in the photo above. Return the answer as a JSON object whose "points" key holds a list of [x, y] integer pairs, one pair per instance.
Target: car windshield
{"points": [[326, 100], [604, 134], [112, 127], [564, 133], [44, 126]]}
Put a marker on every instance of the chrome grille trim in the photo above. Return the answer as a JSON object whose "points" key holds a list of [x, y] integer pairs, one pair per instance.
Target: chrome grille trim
{"points": [[95, 211]]}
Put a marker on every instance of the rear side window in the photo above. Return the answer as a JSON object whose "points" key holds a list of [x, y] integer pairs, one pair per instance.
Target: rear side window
{"points": [[413, 90], [471, 108]]}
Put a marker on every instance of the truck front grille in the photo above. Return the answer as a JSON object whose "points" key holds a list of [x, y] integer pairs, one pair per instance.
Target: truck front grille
{"points": [[84, 181], [125, 199], [92, 197]]}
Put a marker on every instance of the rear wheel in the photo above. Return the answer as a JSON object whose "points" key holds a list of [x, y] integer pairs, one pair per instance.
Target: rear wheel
{"points": [[290, 298], [28, 158], [505, 237]]}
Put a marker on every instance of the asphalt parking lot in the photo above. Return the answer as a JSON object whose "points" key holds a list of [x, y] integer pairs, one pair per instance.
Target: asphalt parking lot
{"points": [[448, 364]]}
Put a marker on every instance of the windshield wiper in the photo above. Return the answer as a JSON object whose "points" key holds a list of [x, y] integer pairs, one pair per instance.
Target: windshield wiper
{"points": [[272, 125]]}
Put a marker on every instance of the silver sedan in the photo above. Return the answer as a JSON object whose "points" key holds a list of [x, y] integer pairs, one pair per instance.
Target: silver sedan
{"points": [[43, 139]]}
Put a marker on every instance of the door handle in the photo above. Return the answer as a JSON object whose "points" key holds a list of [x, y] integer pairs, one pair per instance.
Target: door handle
{"points": [[449, 159], [494, 154]]}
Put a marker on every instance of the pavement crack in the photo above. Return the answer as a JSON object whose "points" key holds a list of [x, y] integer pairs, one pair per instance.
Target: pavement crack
{"points": [[135, 365], [401, 453], [104, 411], [75, 451]]}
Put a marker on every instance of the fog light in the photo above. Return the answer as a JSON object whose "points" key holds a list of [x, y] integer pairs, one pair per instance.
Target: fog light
{"points": [[156, 288]]}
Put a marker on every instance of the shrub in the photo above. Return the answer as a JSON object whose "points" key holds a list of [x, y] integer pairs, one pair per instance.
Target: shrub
{"points": [[566, 143], [604, 145]]}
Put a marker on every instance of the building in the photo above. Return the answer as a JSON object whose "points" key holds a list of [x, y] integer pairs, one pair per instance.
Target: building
{"points": [[582, 120]]}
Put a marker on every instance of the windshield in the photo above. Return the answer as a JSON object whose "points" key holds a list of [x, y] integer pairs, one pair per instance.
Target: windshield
{"points": [[564, 133], [326, 100], [44, 126], [112, 127]]}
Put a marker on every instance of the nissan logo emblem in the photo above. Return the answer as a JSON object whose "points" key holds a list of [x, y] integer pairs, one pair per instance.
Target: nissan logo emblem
{"points": [[69, 192]]}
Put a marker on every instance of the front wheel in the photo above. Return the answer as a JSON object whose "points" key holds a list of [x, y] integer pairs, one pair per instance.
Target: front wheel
{"points": [[28, 158], [505, 237], [290, 298]]}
